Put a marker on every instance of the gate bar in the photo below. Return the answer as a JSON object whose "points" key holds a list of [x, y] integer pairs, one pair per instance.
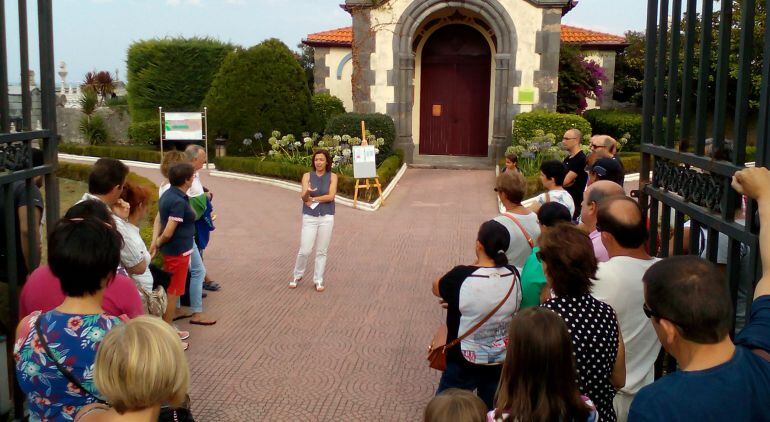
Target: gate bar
{"points": [[26, 95], [701, 111], [676, 35]]}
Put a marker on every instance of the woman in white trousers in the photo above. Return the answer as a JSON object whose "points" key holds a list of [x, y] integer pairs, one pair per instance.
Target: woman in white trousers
{"points": [[319, 187]]}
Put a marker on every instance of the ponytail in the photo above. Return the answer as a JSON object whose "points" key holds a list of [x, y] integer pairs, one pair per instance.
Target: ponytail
{"points": [[495, 239], [501, 258]]}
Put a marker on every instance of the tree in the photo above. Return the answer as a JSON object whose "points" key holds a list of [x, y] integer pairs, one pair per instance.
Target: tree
{"points": [[101, 83], [579, 79], [629, 69], [307, 61], [258, 90]]}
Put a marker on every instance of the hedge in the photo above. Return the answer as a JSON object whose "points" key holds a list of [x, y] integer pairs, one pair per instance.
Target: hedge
{"points": [[173, 73], [526, 124], [260, 89], [144, 133], [345, 184], [617, 123], [147, 154], [325, 106], [80, 172], [380, 125]]}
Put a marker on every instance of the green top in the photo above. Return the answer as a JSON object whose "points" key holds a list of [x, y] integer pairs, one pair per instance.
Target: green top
{"points": [[532, 281]]}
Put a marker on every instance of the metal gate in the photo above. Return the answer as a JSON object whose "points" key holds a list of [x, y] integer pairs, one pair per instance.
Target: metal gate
{"points": [[16, 157], [684, 178]]}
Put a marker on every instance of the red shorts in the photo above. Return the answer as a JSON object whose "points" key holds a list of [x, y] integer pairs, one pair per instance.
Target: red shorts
{"points": [[178, 267]]}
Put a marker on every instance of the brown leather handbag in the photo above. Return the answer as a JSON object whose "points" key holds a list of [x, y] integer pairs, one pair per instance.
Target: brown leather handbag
{"points": [[438, 346]]}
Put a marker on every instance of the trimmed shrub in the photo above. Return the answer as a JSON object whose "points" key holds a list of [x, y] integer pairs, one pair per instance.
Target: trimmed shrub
{"points": [[325, 106], [173, 73], [380, 125], [143, 133], [293, 172], [80, 172], [526, 124], [261, 89], [616, 123], [146, 154]]}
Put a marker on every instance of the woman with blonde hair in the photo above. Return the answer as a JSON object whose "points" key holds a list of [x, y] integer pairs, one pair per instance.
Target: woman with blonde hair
{"points": [[140, 366]]}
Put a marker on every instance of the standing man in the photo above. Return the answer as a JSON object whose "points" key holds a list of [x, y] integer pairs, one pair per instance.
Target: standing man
{"points": [[619, 284], [576, 178], [595, 194], [196, 155], [689, 304]]}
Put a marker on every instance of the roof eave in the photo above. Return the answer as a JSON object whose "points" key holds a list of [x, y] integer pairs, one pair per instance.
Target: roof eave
{"points": [[322, 44]]}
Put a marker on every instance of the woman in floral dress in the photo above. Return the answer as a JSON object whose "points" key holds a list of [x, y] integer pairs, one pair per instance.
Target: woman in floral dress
{"points": [[58, 379]]}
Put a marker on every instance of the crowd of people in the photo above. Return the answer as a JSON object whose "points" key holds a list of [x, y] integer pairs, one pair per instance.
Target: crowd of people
{"points": [[564, 312], [97, 340]]}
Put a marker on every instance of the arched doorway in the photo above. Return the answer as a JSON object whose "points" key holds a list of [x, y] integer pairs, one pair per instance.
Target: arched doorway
{"points": [[454, 93]]}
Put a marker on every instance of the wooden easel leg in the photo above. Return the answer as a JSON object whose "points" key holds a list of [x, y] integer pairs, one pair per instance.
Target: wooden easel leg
{"points": [[355, 196], [379, 190]]}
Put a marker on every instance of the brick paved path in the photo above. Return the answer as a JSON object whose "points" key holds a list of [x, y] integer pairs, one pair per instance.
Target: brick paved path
{"points": [[355, 351]]}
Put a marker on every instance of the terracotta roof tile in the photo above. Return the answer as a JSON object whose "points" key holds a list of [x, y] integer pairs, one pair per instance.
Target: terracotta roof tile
{"points": [[343, 37], [574, 35]]}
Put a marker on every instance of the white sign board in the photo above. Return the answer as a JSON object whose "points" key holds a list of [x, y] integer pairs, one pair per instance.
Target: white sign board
{"points": [[183, 126], [364, 163]]}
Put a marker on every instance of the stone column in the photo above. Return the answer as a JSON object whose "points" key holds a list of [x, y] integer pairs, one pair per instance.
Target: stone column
{"points": [[548, 45], [364, 45]]}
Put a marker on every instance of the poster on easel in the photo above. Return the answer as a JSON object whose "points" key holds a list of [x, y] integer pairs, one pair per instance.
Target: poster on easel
{"points": [[364, 162]]}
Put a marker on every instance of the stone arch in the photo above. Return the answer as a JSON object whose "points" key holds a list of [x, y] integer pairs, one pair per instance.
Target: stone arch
{"points": [[402, 76]]}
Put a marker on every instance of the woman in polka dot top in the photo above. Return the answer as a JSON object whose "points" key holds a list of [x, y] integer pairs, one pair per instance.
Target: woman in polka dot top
{"points": [[570, 265]]}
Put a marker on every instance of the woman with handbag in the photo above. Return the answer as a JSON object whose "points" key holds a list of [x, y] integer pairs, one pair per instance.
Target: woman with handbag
{"points": [[481, 299], [139, 367], [55, 350]]}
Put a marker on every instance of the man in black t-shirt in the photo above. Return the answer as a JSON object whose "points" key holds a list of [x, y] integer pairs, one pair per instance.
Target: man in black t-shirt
{"points": [[22, 225], [575, 163]]}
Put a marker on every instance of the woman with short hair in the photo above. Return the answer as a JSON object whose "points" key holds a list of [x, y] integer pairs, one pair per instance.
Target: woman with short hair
{"points": [[481, 299], [140, 366], [55, 350], [319, 190], [570, 266]]}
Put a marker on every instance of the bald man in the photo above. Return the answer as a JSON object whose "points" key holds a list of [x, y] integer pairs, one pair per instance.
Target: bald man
{"points": [[575, 163], [619, 283], [596, 193]]}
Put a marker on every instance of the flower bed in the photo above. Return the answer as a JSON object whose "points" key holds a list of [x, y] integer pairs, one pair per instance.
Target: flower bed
{"points": [[260, 166]]}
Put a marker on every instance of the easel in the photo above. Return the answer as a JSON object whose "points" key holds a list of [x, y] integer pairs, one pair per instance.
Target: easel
{"points": [[367, 185]]}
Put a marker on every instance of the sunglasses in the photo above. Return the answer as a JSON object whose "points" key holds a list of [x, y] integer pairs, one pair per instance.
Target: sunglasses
{"points": [[600, 171], [649, 313]]}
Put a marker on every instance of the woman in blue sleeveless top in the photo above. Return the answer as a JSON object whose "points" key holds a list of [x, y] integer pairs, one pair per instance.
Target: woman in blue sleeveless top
{"points": [[319, 187]]}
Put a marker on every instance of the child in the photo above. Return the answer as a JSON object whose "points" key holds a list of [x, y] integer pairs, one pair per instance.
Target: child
{"points": [[176, 239], [455, 405], [539, 379]]}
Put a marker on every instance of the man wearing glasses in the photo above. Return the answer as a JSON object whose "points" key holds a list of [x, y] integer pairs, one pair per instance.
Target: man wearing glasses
{"points": [[605, 144], [691, 310], [576, 178]]}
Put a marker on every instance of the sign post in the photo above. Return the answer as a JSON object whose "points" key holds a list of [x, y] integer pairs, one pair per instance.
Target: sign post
{"points": [[187, 127], [365, 167]]}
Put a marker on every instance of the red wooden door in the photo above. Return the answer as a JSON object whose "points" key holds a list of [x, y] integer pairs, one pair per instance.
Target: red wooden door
{"points": [[454, 94]]}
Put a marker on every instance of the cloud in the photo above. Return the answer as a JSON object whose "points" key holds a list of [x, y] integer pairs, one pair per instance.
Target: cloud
{"points": [[236, 2], [187, 2]]}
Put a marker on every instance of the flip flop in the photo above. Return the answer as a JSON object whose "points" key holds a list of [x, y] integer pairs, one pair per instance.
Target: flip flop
{"points": [[183, 316], [205, 323]]}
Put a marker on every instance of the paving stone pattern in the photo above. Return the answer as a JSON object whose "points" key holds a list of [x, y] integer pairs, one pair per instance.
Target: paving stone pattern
{"points": [[357, 350]]}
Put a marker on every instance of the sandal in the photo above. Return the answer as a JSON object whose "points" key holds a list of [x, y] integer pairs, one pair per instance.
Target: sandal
{"points": [[185, 346], [183, 335], [212, 286], [182, 316], [294, 283], [203, 322], [319, 287]]}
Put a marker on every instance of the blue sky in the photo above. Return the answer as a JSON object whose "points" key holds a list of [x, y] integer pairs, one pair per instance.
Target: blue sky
{"points": [[94, 34]]}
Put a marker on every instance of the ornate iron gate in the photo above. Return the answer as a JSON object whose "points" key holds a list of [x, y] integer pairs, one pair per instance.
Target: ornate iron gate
{"points": [[16, 157], [683, 176]]}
